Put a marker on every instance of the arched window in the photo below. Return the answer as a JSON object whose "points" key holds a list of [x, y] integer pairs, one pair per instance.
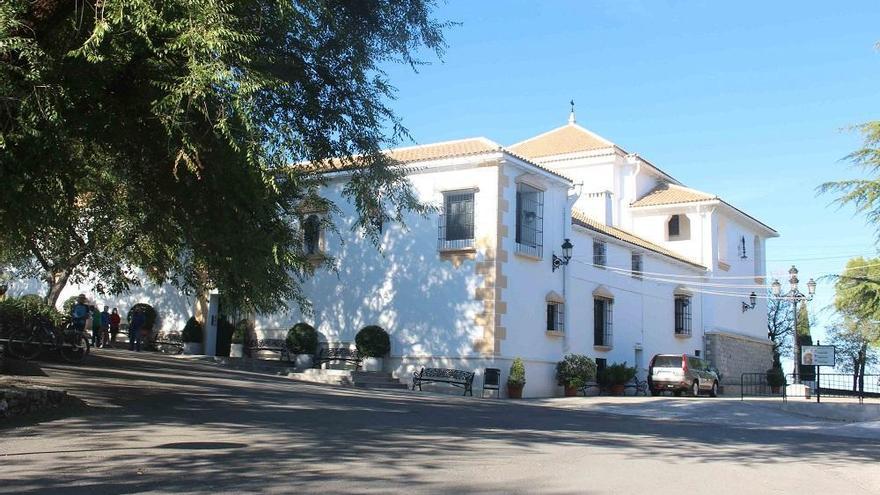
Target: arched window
{"points": [[312, 235], [678, 228]]}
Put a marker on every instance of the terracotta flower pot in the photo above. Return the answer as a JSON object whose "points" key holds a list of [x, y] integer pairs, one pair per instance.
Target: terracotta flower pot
{"points": [[571, 391], [617, 389], [514, 391], [774, 390]]}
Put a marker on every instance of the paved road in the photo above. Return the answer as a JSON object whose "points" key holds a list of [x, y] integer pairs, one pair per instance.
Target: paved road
{"points": [[157, 424]]}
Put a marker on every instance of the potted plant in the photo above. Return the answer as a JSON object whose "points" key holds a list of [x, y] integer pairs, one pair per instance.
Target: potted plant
{"points": [[236, 348], [192, 336], [573, 372], [516, 379], [776, 379], [302, 342], [373, 345], [616, 376]]}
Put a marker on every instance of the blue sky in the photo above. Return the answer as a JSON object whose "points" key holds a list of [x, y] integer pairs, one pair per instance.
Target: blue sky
{"points": [[747, 100]]}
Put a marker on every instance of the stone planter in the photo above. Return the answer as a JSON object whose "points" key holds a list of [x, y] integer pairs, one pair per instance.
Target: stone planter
{"points": [[236, 350], [192, 348], [372, 364], [571, 391], [617, 389], [303, 361]]}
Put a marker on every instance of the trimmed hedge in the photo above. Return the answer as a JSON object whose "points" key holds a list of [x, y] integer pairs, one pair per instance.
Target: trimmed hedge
{"points": [[302, 338], [192, 332], [372, 341]]}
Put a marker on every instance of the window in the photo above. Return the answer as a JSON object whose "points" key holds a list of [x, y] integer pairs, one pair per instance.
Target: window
{"points": [[683, 315], [529, 220], [758, 256], [457, 220], [742, 248], [602, 328], [599, 253], [674, 226], [678, 228], [555, 317], [636, 270], [312, 235]]}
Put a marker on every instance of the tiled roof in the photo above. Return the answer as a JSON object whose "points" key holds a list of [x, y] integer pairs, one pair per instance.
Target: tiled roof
{"points": [[667, 194], [582, 219], [437, 151], [570, 138], [448, 149]]}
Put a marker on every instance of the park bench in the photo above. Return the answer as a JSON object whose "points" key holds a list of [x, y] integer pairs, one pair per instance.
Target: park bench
{"points": [[166, 343], [640, 386], [589, 385], [456, 378], [269, 345], [344, 354]]}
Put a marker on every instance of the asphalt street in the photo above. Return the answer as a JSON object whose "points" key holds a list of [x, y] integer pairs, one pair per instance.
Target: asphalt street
{"points": [[156, 424]]}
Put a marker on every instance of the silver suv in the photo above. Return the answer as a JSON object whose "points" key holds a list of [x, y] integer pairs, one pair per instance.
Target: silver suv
{"points": [[681, 373]]}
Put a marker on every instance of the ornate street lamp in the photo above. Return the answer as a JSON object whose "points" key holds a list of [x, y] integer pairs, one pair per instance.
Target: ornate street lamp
{"points": [[795, 296], [566, 255]]}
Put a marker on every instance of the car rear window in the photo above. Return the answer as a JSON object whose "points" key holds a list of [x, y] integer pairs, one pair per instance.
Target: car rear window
{"points": [[667, 361]]}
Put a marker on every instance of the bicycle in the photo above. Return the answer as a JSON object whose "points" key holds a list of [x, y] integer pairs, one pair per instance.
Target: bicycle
{"points": [[70, 341]]}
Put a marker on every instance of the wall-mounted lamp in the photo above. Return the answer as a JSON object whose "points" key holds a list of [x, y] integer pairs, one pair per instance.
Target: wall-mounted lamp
{"points": [[753, 300], [566, 255]]}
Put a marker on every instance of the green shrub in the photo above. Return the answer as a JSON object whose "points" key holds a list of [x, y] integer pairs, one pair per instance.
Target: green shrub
{"points": [[517, 375], [240, 333], [775, 377], [575, 370], [67, 307], [192, 332], [26, 312], [617, 374], [372, 341], [302, 338]]}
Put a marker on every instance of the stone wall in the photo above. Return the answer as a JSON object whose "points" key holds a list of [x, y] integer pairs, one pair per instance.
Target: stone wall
{"points": [[15, 401], [734, 355]]}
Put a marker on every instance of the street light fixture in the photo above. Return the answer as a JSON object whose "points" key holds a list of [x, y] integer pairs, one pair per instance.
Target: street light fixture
{"points": [[795, 296], [753, 300], [566, 255]]}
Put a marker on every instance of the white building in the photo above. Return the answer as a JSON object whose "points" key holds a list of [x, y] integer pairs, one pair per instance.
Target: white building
{"points": [[657, 267]]}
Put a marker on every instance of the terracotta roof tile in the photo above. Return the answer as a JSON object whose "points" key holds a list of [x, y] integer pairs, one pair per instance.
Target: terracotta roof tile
{"points": [[667, 194], [582, 219], [570, 138]]}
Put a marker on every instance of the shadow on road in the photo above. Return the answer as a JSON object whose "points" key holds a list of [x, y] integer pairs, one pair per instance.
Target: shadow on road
{"points": [[256, 431]]}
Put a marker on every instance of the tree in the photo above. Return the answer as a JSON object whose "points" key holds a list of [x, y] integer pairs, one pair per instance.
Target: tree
{"points": [[779, 325], [852, 341], [857, 298], [185, 138]]}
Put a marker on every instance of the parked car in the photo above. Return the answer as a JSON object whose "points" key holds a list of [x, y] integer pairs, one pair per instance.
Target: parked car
{"points": [[681, 373]]}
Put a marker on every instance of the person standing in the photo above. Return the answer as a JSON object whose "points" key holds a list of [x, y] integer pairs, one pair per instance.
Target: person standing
{"points": [[114, 326], [97, 336], [105, 326], [79, 313], [134, 331]]}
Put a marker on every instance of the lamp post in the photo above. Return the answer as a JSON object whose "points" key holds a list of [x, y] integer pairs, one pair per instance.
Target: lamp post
{"points": [[795, 296], [753, 300], [566, 255]]}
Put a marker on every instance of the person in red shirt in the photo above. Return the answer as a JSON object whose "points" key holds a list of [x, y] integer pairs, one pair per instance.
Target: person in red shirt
{"points": [[114, 326]]}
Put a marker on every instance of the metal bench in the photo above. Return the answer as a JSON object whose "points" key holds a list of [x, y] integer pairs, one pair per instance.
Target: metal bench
{"points": [[456, 378], [589, 385], [344, 354], [269, 345]]}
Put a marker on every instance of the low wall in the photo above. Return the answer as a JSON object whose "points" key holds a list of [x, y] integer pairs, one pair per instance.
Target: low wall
{"points": [[733, 355], [15, 401]]}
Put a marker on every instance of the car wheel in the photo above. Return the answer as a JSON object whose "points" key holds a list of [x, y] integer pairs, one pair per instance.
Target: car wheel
{"points": [[695, 389], [714, 392]]}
